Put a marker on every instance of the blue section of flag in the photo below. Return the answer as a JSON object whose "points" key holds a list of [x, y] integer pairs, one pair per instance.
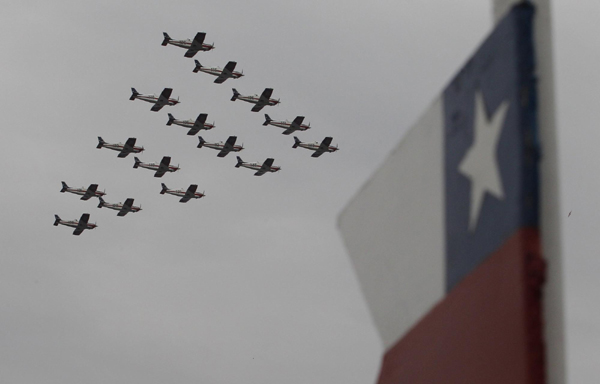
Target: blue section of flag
{"points": [[501, 70]]}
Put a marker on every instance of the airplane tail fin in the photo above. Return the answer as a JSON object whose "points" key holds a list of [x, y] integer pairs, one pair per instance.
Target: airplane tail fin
{"points": [[267, 120], [137, 162], [198, 66], [171, 119], [296, 142], [56, 219], [239, 162], [64, 187], [100, 142], [166, 40], [235, 94], [201, 143], [164, 188], [101, 202], [134, 94]]}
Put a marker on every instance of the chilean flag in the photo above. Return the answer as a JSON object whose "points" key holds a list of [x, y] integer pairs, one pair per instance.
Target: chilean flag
{"points": [[444, 236]]}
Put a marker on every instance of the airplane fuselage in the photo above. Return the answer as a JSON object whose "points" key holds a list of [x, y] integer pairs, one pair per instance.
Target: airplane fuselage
{"points": [[119, 147], [153, 99], [82, 191], [156, 167], [257, 167], [218, 71], [220, 145], [191, 124], [288, 125], [316, 146], [181, 193], [75, 224], [254, 100], [187, 43], [119, 206]]}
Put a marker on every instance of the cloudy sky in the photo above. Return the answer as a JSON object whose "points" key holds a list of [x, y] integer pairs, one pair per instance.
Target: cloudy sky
{"points": [[250, 283]]}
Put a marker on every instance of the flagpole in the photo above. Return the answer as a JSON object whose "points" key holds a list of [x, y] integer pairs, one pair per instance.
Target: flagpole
{"points": [[550, 211]]}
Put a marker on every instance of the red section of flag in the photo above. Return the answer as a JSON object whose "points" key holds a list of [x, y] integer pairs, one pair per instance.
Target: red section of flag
{"points": [[487, 330]]}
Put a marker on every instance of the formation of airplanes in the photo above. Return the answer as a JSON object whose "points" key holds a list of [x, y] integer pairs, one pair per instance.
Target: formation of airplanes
{"points": [[194, 126]]}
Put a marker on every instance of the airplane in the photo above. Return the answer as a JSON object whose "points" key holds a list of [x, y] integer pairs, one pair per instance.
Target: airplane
{"points": [[289, 127], [186, 195], [318, 148], [86, 193], [79, 225], [224, 148], [261, 169], [158, 101], [221, 73], [123, 208], [124, 149], [260, 101], [159, 168], [192, 46], [194, 125]]}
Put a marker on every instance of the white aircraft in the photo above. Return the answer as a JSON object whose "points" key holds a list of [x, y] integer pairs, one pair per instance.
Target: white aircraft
{"points": [[261, 169], [221, 73], [158, 101], [124, 149], [160, 169], [79, 225], [123, 208], [260, 101], [192, 46], [86, 193], [224, 148], [194, 125], [318, 148], [186, 195], [289, 126]]}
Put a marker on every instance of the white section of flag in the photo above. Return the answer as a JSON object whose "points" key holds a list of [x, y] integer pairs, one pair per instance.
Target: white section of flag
{"points": [[394, 230]]}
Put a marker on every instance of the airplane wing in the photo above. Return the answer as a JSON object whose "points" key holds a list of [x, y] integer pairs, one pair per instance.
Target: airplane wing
{"points": [[126, 207], [297, 121], [163, 167], [226, 73], [191, 191], [324, 147], [82, 224], [228, 146], [198, 124], [91, 191], [127, 148], [162, 100], [263, 100], [266, 167], [196, 44], [288, 131]]}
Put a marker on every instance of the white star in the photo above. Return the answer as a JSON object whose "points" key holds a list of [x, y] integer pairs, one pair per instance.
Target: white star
{"points": [[480, 163]]}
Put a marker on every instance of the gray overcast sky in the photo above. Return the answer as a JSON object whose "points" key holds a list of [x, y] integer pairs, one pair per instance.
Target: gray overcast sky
{"points": [[251, 283]]}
